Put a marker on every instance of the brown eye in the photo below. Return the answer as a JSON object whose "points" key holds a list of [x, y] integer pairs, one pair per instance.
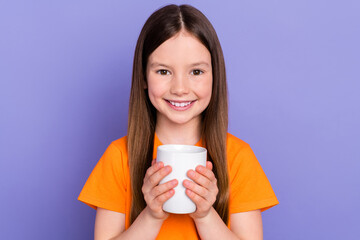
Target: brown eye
{"points": [[197, 72], [163, 72]]}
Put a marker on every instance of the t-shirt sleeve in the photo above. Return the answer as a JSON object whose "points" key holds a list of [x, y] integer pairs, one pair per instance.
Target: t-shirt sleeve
{"points": [[106, 186], [249, 187]]}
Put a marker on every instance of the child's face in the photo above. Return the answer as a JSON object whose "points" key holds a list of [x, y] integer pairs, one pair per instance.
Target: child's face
{"points": [[179, 80]]}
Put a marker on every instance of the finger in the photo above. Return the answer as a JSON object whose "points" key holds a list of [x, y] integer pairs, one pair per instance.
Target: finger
{"points": [[205, 171], [156, 177], [150, 171], [162, 188], [159, 200], [154, 168], [153, 162], [199, 201], [201, 179], [196, 188], [209, 165]]}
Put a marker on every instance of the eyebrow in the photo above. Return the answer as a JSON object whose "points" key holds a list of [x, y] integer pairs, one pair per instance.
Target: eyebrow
{"points": [[156, 64], [200, 63]]}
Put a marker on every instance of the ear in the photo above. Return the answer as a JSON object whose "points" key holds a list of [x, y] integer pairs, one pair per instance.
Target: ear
{"points": [[145, 85]]}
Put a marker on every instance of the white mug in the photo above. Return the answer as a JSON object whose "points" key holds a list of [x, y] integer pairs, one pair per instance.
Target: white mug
{"points": [[181, 158]]}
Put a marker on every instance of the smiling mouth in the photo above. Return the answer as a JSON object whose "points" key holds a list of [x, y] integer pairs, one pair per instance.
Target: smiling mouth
{"points": [[180, 105]]}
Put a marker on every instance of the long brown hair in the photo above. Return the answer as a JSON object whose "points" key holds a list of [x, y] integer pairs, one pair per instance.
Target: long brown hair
{"points": [[160, 26]]}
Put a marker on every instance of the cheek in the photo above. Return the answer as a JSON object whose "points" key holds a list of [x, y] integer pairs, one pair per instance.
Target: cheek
{"points": [[206, 90], [155, 89], [208, 96]]}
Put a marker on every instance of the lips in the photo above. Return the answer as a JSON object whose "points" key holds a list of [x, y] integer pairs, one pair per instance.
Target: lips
{"points": [[180, 105]]}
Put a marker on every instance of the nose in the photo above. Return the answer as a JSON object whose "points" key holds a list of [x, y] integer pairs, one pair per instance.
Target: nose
{"points": [[179, 85]]}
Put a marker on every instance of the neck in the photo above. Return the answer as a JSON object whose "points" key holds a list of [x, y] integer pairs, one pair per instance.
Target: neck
{"points": [[171, 133]]}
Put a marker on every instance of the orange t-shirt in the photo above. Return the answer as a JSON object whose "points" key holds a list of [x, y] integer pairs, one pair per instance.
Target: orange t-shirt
{"points": [[108, 186]]}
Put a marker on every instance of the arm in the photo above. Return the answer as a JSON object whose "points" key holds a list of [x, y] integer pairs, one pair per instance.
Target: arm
{"points": [[111, 225], [246, 225], [203, 193], [108, 223]]}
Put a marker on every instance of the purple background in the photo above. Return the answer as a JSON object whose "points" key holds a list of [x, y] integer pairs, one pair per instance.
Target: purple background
{"points": [[293, 74]]}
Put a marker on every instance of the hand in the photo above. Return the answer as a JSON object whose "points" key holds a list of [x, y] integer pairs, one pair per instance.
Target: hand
{"points": [[203, 190], [154, 194]]}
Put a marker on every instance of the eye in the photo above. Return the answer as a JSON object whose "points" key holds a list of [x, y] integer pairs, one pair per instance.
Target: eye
{"points": [[197, 72], [163, 72]]}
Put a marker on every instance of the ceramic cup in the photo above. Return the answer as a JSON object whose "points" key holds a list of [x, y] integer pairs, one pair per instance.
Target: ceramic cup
{"points": [[181, 158]]}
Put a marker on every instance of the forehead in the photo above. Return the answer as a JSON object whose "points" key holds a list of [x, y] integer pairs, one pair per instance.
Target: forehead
{"points": [[182, 48]]}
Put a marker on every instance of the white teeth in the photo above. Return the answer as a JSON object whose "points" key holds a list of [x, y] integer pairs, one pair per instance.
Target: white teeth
{"points": [[176, 104]]}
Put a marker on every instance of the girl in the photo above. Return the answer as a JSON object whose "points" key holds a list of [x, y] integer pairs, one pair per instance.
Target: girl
{"points": [[178, 96]]}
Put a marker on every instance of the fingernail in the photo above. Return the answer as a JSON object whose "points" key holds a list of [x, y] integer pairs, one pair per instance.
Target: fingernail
{"points": [[191, 173]]}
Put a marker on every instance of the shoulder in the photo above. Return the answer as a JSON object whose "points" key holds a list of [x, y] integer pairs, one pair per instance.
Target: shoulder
{"points": [[235, 144], [238, 150], [116, 156], [120, 144], [116, 152]]}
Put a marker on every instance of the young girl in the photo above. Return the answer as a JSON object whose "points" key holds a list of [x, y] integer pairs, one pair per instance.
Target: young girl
{"points": [[178, 96]]}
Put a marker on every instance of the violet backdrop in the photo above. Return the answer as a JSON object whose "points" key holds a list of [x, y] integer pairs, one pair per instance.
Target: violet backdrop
{"points": [[293, 75]]}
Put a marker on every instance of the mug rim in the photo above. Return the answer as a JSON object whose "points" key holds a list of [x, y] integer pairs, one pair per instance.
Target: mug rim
{"points": [[181, 148]]}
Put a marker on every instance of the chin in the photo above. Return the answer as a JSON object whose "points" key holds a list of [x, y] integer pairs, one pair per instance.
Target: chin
{"points": [[183, 121]]}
